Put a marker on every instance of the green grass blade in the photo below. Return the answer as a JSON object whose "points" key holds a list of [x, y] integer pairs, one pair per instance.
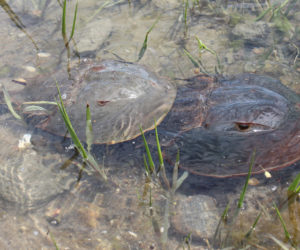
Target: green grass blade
{"points": [[74, 21], [186, 6], [248, 234], [286, 233], [39, 103], [89, 129], [192, 59], [222, 219], [160, 157], [32, 108], [69, 126], [146, 166], [295, 185], [144, 47], [90, 160], [9, 103], [242, 196], [282, 245], [151, 163], [53, 241], [262, 15], [63, 21], [202, 46], [181, 179]]}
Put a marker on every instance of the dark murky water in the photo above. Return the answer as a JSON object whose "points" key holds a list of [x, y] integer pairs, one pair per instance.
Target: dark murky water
{"points": [[91, 214]]}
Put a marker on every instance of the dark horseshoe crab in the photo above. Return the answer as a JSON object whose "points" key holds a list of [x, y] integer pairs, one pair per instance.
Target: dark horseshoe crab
{"points": [[216, 123]]}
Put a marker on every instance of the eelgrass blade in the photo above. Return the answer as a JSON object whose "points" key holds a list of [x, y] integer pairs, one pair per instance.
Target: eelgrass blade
{"points": [[181, 179], [89, 129], [151, 163], [175, 172], [295, 185], [90, 160], [282, 245], [248, 234], [74, 22], [146, 166], [186, 6], [177, 182], [286, 233], [160, 157], [222, 219], [192, 59], [144, 47], [63, 22], [39, 103], [242, 196], [69, 126], [32, 108], [262, 15], [53, 241], [9, 103]]}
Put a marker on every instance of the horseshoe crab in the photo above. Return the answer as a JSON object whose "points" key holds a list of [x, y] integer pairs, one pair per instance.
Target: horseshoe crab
{"points": [[216, 123]]}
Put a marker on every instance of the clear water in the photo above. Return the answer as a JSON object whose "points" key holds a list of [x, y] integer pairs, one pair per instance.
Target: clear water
{"points": [[91, 214]]}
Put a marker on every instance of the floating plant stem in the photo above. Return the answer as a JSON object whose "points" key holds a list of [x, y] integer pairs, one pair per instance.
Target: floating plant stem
{"points": [[144, 47]]}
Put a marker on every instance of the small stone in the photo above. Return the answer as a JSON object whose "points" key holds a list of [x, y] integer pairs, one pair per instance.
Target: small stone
{"points": [[253, 182], [30, 68], [43, 54], [197, 215], [258, 50], [132, 234]]}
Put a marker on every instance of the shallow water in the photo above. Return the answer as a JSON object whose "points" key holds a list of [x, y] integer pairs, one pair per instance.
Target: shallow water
{"points": [[79, 210]]}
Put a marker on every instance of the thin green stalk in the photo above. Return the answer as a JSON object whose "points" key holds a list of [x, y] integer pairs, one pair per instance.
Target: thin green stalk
{"points": [[186, 6], [74, 21], [144, 47], [295, 185], [286, 233], [160, 157], [242, 196], [151, 163], [9, 103], [63, 22], [89, 129], [53, 241], [69, 126], [248, 234]]}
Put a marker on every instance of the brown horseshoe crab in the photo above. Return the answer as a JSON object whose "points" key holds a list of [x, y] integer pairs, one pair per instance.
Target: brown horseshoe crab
{"points": [[216, 123]]}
